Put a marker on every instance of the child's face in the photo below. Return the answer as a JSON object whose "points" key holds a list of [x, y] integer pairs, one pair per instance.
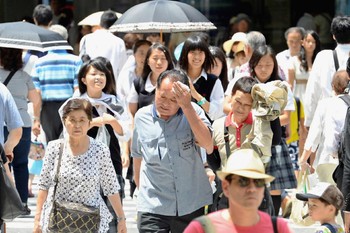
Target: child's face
{"points": [[320, 211], [241, 58]]}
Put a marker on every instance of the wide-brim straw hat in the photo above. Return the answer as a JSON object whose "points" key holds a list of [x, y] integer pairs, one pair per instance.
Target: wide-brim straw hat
{"points": [[246, 163], [238, 36]]}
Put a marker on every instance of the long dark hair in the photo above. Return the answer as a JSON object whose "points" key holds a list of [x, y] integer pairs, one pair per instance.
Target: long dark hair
{"points": [[160, 47], [302, 55], [258, 54], [218, 53]]}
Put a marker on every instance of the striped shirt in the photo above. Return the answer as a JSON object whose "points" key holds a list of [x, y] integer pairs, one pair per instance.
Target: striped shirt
{"points": [[55, 75]]}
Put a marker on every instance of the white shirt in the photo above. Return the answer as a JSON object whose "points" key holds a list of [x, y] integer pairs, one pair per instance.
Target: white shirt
{"points": [[335, 118], [133, 96], [104, 43], [315, 137], [126, 78], [320, 79], [283, 61]]}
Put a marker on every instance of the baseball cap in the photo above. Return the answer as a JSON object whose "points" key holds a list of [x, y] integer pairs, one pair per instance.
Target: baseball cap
{"points": [[328, 192], [238, 36], [246, 163]]}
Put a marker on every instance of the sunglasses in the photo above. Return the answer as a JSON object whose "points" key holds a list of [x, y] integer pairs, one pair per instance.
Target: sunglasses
{"points": [[245, 182]]}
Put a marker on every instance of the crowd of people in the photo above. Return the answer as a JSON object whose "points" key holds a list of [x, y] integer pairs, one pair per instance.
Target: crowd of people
{"points": [[192, 128]]}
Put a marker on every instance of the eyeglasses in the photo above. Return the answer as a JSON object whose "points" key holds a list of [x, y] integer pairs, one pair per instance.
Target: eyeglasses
{"points": [[245, 182]]}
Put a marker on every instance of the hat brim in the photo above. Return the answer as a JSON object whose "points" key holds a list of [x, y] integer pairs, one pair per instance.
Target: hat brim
{"points": [[249, 174], [306, 196], [227, 46]]}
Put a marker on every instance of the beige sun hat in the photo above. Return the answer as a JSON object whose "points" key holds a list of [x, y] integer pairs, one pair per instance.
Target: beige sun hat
{"points": [[238, 47], [246, 163], [238, 36]]}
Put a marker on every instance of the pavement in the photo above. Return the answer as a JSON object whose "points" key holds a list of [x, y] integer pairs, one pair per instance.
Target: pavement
{"points": [[24, 224]]}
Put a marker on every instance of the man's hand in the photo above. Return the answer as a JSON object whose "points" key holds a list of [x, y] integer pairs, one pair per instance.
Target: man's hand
{"points": [[125, 160], [210, 174], [182, 94]]}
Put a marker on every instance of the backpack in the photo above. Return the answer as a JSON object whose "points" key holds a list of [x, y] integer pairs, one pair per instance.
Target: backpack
{"points": [[330, 227], [344, 151]]}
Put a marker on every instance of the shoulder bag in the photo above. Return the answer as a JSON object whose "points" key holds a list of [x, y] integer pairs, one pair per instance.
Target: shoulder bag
{"points": [[10, 203], [68, 216]]}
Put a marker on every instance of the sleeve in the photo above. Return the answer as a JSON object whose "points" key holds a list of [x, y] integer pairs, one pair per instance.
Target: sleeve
{"points": [[313, 90], [314, 135], [230, 87], [290, 101], [108, 177], [194, 227], [333, 128], [77, 69], [124, 120], [136, 144], [133, 97], [216, 101], [35, 76], [12, 117], [48, 171]]}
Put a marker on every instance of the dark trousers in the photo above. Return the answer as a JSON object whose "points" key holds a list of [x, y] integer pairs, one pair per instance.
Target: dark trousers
{"points": [[20, 162], [50, 119], [155, 223]]}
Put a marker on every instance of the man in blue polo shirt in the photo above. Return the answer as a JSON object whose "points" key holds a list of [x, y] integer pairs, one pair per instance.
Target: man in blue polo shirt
{"points": [[169, 172], [55, 78]]}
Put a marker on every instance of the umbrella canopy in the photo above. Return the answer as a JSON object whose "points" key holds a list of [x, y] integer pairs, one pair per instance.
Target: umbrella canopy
{"points": [[162, 16], [94, 19], [23, 35]]}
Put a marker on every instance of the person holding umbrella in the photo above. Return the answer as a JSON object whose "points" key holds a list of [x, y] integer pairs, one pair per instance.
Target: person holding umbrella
{"points": [[21, 86]]}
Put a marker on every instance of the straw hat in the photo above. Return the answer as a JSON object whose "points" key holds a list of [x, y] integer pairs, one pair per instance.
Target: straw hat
{"points": [[246, 163], [238, 36], [238, 47]]}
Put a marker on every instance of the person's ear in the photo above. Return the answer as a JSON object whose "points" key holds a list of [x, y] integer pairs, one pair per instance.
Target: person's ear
{"points": [[225, 187]]}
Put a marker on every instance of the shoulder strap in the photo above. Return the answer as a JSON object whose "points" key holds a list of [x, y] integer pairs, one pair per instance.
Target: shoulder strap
{"points": [[346, 99], [7, 80], [206, 224], [330, 227], [297, 100], [227, 141], [274, 224], [58, 168], [336, 62]]}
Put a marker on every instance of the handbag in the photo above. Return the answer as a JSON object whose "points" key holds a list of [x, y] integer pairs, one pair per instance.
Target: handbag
{"points": [[68, 216], [299, 214], [37, 150], [10, 203]]}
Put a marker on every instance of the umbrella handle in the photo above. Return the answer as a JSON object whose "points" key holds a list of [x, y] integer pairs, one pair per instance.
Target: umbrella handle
{"points": [[161, 35]]}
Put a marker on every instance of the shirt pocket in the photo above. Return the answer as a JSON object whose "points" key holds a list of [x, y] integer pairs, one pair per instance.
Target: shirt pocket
{"points": [[186, 146], [151, 151]]}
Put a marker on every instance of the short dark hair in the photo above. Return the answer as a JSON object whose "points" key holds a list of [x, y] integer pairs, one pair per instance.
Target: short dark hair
{"points": [[257, 55], [340, 28], [192, 43], [139, 43], [174, 75], [108, 18], [244, 84], [43, 14], [160, 47], [75, 104], [102, 64]]}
